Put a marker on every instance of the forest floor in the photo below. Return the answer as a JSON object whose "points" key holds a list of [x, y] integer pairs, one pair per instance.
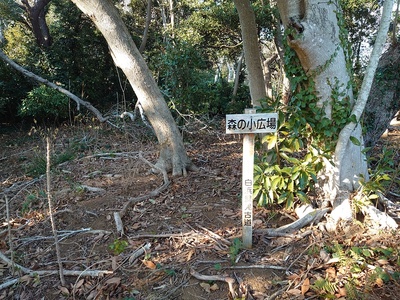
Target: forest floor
{"points": [[190, 229]]}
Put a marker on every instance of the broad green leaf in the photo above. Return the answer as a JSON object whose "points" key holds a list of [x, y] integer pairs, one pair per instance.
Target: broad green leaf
{"points": [[355, 141]]}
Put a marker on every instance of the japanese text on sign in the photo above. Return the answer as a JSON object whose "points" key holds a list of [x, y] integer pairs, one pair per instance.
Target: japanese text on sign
{"points": [[251, 123]]}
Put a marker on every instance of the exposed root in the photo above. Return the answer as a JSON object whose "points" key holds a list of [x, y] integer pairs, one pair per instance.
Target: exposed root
{"points": [[119, 215], [229, 280], [311, 217]]}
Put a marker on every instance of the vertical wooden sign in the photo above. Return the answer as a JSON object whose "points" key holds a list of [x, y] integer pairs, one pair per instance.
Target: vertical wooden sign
{"points": [[249, 124]]}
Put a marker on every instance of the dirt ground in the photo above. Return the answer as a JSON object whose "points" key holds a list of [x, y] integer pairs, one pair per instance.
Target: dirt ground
{"points": [[190, 229]]}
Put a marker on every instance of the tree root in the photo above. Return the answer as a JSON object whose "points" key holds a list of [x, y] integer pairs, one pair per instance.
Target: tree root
{"points": [[229, 280], [311, 217], [119, 215]]}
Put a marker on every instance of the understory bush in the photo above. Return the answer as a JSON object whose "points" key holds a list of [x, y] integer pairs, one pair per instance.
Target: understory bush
{"points": [[44, 104]]}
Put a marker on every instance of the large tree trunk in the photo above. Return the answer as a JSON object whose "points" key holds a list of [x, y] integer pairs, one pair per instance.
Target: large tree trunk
{"points": [[126, 56], [252, 55], [314, 35], [385, 93], [315, 38]]}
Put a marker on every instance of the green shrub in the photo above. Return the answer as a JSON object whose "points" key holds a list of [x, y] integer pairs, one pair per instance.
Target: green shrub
{"points": [[44, 104]]}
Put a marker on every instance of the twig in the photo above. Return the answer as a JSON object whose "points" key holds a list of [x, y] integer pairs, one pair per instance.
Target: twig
{"points": [[49, 200], [229, 280], [141, 250], [257, 267], [9, 235], [92, 273], [63, 234], [119, 215], [214, 235], [163, 235]]}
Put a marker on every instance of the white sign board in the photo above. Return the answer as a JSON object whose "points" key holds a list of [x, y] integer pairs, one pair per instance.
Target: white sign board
{"points": [[251, 123]]}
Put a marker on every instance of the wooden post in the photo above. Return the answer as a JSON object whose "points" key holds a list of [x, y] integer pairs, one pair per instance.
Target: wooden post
{"points": [[249, 124], [247, 186]]}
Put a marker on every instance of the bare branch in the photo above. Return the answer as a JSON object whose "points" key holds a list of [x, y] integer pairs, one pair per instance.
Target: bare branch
{"points": [[75, 98]]}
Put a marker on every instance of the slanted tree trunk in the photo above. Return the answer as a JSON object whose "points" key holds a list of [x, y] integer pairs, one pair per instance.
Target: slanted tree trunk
{"points": [[103, 13], [252, 55]]}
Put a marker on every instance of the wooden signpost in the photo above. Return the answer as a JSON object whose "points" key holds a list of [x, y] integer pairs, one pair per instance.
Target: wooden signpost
{"points": [[249, 123]]}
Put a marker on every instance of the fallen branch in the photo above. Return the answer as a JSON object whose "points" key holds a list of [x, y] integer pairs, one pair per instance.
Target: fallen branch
{"points": [[229, 280], [257, 267], [311, 217], [63, 234], [119, 215], [215, 236], [139, 252], [163, 235], [91, 273]]}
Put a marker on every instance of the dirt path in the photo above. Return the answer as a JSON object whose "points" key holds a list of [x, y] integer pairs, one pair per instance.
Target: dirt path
{"points": [[193, 226]]}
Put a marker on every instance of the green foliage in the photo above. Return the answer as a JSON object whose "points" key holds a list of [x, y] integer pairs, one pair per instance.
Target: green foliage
{"points": [[305, 139], [234, 249], [188, 85], [34, 199], [383, 177], [44, 103], [289, 168], [357, 261], [118, 246], [37, 165]]}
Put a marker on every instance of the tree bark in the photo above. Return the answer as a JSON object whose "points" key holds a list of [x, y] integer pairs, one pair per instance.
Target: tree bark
{"points": [[385, 93], [314, 35], [37, 17], [315, 38], [126, 56], [146, 26], [252, 55]]}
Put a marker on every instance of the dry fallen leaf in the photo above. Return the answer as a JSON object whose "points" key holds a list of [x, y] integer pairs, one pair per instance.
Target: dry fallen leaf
{"points": [[342, 291], [294, 292], [305, 286], [331, 273], [205, 286], [214, 287], [79, 283], [64, 290], [149, 264], [379, 282], [190, 254], [116, 280]]}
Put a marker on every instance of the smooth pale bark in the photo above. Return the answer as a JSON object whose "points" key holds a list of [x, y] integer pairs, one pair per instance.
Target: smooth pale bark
{"points": [[105, 16], [252, 56], [314, 35], [343, 143]]}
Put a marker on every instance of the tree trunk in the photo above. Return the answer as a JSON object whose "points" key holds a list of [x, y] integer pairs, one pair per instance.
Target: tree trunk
{"points": [[37, 17], [103, 13], [315, 38], [146, 26], [314, 35], [385, 93], [252, 55]]}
